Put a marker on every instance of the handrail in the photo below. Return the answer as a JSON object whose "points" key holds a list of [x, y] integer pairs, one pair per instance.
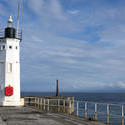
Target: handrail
{"points": [[18, 36], [90, 110]]}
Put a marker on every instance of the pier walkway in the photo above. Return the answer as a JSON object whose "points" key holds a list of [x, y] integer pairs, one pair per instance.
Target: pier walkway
{"points": [[31, 116]]}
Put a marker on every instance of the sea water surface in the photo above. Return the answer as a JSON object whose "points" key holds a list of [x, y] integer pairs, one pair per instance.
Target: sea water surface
{"points": [[118, 99]]}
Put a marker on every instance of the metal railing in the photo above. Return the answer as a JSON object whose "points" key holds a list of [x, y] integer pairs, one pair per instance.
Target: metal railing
{"points": [[107, 113], [18, 36]]}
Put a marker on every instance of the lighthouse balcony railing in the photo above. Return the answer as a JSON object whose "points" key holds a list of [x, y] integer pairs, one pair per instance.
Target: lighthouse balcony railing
{"points": [[1, 33], [18, 35]]}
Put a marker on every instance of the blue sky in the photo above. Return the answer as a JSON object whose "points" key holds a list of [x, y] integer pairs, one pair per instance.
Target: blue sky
{"points": [[79, 42]]}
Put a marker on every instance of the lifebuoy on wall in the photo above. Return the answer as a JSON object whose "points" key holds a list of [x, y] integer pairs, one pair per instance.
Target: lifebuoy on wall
{"points": [[8, 91]]}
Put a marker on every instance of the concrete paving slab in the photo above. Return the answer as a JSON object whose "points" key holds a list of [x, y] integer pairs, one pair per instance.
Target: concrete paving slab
{"points": [[31, 116]]}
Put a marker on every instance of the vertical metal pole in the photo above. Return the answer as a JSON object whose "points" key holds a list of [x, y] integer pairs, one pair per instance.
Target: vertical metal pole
{"points": [[28, 102], [96, 112], [122, 114], [58, 105], [18, 19], [64, 105], [57, 88], [70, 108], [107, 113], [38, 103], [48, 105], [77, 108], [44, 104], [35, 102], [86, 110], [41, 103], [25, 101]]}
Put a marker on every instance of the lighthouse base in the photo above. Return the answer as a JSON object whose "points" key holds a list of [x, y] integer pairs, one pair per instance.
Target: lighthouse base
{"points": [[12, 103]]}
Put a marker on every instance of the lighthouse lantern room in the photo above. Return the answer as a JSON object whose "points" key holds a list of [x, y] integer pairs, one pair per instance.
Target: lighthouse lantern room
{"points": [[10, 66]]}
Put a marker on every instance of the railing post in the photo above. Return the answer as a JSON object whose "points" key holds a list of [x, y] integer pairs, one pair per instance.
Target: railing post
{"points": [[58, 105], [40, 103], [77, 108], [122, 114], [24, 101], [48, 105], [28, 101], [44, 104], [35, 102], [64, 105], [107, 113], [69, 107], [86, 110], [96, 112]]}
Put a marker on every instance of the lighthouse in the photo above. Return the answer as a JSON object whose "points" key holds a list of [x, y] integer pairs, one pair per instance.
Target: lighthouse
{"points": [[10, 66]]}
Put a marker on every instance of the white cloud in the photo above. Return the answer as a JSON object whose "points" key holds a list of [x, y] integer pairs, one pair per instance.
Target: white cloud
{"points": [[36, 6], [74, 12], [117, 85], [47, 9], [57, 10], [121, 84], [51, 38]]}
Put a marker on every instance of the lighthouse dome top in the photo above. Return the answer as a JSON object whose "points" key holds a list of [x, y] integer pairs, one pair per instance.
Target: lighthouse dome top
{"points": [[10, 31], [10, 22], [10, 19]]}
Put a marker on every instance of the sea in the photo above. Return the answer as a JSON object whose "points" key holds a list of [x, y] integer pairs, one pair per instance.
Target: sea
{"points": [[115, 101]]}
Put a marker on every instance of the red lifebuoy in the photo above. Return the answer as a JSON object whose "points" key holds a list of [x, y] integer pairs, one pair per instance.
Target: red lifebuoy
{"points": [[8, 91]]}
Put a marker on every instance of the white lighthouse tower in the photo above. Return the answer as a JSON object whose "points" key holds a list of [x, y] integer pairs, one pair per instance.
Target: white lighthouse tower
{"points": [[10, 66]]}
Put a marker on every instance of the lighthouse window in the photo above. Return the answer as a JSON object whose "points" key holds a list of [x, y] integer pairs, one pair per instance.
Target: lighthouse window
{"points": [[9, 67], [10, 47], [16, 47]]}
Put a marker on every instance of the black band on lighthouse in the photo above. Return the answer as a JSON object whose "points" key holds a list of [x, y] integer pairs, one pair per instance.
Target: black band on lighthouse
{"points": [[10, 32]]}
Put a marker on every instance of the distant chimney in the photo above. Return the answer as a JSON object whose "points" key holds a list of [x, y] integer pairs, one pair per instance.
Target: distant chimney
{"points": [[57, 87]]}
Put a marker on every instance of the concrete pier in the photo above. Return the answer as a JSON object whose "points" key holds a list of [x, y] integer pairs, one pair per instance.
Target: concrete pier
{"points": [[32, 116]]}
